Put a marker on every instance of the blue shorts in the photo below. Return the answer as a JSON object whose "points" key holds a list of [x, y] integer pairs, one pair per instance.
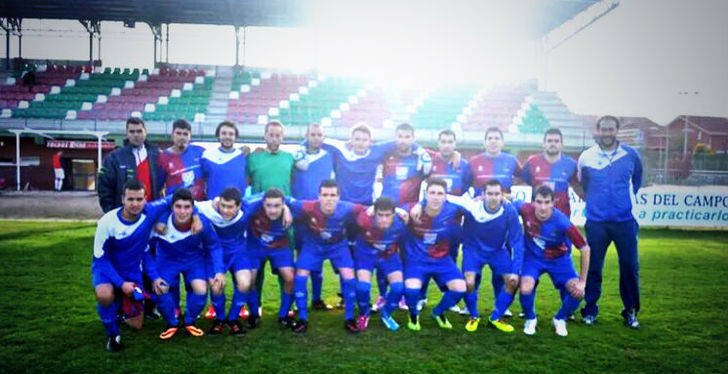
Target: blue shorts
{"points": [[474, 260], [232, 262], [561, 269], [443, 270], [98, 278], [368, 261], [279, 258], [312, 258], [191, 269]]}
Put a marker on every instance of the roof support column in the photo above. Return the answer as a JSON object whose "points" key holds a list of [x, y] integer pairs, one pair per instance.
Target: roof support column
{"points": [[93, 28], [237, 45]]}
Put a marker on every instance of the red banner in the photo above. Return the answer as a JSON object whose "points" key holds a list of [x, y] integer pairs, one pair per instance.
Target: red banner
{"points": [[79, 144]]}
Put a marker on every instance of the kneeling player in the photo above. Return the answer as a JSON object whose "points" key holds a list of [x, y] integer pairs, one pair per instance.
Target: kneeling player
{"points": [[120, 242], [491, 227], [268, 239], [179, 251], [377, 246], [427, 253], [548, 232]]}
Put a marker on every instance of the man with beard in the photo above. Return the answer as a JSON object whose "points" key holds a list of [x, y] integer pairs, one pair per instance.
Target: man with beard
{"points": [[224, 166], [179, 165], [271, 167], [554, 169], [607, 170]]}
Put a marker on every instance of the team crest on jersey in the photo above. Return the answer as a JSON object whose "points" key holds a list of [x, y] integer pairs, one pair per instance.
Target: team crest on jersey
{"points": [[380, 247], [325, 235], [171, 165], [368, 233], [480, 167], [538, 168], [266, 238]]}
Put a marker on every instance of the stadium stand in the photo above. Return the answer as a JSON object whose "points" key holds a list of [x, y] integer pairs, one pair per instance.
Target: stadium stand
{"points": [[254, 94]]}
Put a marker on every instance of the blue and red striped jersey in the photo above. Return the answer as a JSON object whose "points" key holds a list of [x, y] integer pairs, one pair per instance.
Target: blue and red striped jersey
{"points": [[502, 167], [375, 241], [458, 180], [400, 178], [182, 170], [538, 171], [551, 238], [323, 230], [430, 238]]}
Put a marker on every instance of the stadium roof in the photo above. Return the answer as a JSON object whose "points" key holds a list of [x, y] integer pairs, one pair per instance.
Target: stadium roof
{"points": [[541, 16], [278, 13]]}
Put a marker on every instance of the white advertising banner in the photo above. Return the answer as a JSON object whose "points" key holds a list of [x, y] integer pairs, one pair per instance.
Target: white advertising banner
{"points": [[675, 206]]}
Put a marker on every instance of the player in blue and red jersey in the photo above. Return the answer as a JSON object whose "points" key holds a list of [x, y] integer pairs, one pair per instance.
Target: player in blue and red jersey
{"points": [[554, 169], [377, 246], [324, 223], [455, 171], [268, 240], [494, 164], [491, 228], [179, 165], [548, 238], [120, 242], [180, 251], [224, 166], [402, 173], [427, 249]]}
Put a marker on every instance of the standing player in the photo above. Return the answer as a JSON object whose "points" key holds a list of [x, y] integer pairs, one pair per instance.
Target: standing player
{"points": [[494, 164], [377, 246], [224, 166], [491, 227], [549, 235], [554, 169], [119, 245], [179, 165], [268, 240], [607, 171], [324, 237], [313, 165], [401, 170], [427, 248], [180, 251]]}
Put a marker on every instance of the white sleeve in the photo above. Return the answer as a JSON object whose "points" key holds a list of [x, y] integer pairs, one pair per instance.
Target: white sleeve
{"points": [[102, 234]]}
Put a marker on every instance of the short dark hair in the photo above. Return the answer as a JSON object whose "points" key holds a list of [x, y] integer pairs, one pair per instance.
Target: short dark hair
{"points": [[328, 183], [273, 123], [447, 132], [182, 194], [553, 131], [384, 204], [607, 118], [544, 191], [181, 124], [231, 193], [226, 124], [405, 127], [362, 128], [493, 182], [134, 185], [273, 193], [135, 121], [434, 181], [493, 129]]}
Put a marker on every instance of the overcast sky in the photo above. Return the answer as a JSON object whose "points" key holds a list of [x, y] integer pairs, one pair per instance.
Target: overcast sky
{"points": [[634, 61]]}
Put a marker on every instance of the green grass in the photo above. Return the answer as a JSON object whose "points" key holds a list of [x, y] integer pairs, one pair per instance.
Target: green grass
{"points": [[50, 322]]}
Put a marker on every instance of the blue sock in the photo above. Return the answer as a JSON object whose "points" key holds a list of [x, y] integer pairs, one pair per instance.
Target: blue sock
{"points": [[471, 301], [363, 297], [527, 301], [300, 294], [568, 306], [218, 302], [412, 296], [381, 283], [107, 314], [425, 286], [449, 299], [317, 282], [253, 302], [239, 299], [502, 302], [165, 304], [498, 284], [195, 303], [393, 295], [349, 289], [286, 301]]}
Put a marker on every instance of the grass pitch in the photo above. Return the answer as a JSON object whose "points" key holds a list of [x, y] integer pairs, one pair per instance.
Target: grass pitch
{"points": [[50, 322]]}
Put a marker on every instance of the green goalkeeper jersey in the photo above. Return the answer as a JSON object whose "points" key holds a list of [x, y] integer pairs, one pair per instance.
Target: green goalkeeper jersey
{"points": [[268, 170]]}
